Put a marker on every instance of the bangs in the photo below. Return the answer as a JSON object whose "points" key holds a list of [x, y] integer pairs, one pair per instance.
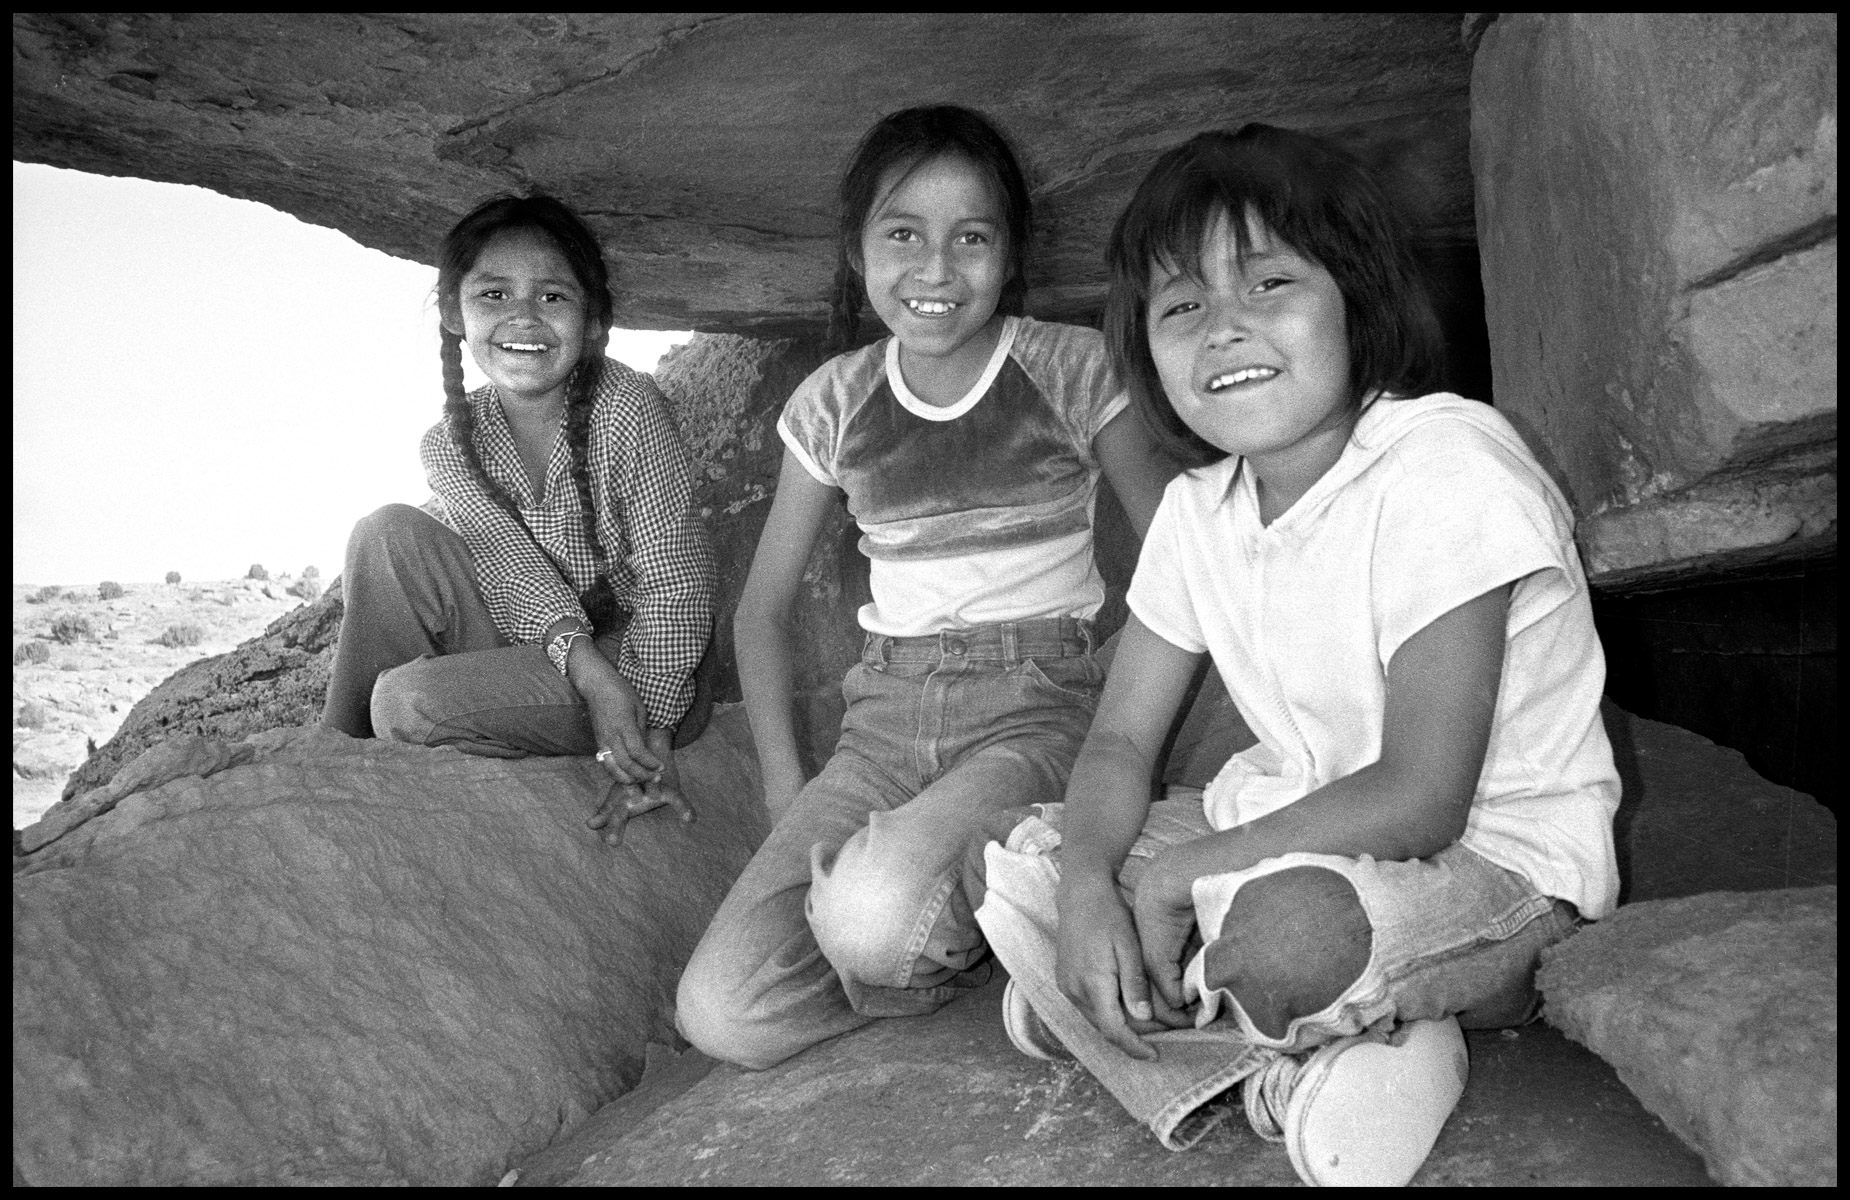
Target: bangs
{"points": [[1168, 223]]}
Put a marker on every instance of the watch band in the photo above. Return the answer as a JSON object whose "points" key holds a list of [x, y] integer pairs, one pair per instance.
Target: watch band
{"points": [[560, 648]]}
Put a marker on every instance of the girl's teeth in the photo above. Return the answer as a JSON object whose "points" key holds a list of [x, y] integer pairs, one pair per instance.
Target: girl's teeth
{"points": [[521, 346], [1242, 376], [930, 308]]}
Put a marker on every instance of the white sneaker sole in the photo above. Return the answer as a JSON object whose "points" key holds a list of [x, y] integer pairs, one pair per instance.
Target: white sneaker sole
{"points": [[1365, 1113]]}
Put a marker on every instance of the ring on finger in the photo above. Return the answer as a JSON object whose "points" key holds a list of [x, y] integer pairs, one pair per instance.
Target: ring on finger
{"points": [[604, 754]]}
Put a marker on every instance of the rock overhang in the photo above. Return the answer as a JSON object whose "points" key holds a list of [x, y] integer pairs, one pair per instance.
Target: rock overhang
{"points": [[704, 148]]}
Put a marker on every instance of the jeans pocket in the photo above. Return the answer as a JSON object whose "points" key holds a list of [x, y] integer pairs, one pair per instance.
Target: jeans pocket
{"points": [[1075, 679]]}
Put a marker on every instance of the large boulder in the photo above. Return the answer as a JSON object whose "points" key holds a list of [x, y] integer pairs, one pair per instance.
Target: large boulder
{"points": [[310, 959], [1657, 220], [1719, 1011], [704, 147]]}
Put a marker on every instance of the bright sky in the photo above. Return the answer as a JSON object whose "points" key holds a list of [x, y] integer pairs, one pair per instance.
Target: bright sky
{"points": [[201, 383]]}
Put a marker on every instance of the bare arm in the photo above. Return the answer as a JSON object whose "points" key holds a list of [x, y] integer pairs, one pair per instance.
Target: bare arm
{"points": [[1138, 471], [761, 630], [1410, 803], [1100, 962]]}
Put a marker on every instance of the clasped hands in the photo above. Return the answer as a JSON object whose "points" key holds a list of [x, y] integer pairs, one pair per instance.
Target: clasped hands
{"points": [[640, 761], [1121, 964]]}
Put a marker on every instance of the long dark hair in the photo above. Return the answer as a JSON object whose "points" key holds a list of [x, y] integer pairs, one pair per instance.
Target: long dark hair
{"points": [[579, 247], [1315, 198], [906, 140]]}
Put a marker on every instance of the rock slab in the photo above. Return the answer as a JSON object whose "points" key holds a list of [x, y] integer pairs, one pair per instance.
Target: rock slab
{"points": [[945, 1100], [704, 147], [1719, 1011], [351, 962], [1657, 219]]}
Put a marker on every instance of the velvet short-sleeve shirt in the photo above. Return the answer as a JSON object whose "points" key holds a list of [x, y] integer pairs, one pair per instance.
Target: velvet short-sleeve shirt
{"points": [[977, 512]]}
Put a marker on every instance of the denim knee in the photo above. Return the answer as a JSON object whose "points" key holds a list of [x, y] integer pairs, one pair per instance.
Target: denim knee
{"points": [[872, 913], [706, 1014], [391, 523], [399, 705]]}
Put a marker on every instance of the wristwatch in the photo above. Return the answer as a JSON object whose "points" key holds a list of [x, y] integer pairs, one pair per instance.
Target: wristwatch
{"points": [[561, 647]]}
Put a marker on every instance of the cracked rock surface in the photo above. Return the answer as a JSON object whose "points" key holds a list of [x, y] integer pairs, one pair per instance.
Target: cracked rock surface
{"points": [[309, 959], [704, 148]]}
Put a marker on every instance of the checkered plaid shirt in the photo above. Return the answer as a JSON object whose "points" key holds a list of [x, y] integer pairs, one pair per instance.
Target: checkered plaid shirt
{"points": [[660, 563]]}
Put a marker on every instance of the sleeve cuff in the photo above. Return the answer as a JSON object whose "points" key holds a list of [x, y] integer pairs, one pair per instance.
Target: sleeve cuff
{"points": [[803, 456]]}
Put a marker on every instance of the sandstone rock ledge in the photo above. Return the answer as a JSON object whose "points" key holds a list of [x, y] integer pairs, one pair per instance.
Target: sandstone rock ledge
{"points": [[1720, 1012], [333, 961]]}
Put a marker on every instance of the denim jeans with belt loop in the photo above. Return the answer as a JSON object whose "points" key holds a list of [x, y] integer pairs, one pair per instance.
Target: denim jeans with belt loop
{"points": [[861, 902]]}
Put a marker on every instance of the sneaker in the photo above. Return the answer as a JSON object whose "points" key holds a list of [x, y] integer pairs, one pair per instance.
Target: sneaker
{"points": [[1364, 1112], [1026, 1030]]}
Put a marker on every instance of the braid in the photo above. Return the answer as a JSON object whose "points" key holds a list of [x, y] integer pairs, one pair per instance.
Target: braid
{"points": [[461, 416], [581, 399], [600, 600]]}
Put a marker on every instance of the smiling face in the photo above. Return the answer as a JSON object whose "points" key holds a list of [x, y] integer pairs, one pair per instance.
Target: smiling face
{"points": [[523, 316], [934, 256], [1254, 355]]}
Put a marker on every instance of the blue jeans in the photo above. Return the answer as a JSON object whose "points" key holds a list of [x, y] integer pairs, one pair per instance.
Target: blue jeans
{"points": [[420, 660], [861, 902], [1453, 934]]}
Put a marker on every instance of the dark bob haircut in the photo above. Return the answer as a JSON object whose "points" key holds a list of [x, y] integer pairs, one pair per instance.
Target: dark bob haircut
{"points": [[1318, 200], [905, 141]]}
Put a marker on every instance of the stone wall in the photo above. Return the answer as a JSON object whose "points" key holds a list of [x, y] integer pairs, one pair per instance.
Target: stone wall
{"points": [[1657, 217]]}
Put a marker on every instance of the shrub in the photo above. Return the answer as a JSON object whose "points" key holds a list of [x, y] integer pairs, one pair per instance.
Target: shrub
{"points": [[182, 635], [31, 652], [311, 571], [109, 589], [257, 572], [173, 577], [32, 715], [308, 587], [70, 627], [44, 594]]}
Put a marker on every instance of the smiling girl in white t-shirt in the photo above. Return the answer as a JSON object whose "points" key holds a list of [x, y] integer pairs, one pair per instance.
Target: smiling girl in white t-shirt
{"points": [[1388, 585]]}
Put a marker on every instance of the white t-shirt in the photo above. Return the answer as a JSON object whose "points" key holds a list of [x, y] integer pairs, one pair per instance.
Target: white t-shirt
{"points": [[1434, 502], [978, 512]]}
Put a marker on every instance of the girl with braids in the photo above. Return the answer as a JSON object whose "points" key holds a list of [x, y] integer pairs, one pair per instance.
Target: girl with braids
{"points": [[564, 601], [969, 445]]}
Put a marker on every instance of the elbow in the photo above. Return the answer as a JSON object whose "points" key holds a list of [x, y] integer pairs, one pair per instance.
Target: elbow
{"points": [[755, 616], [1430, 812], [1434, 822]]}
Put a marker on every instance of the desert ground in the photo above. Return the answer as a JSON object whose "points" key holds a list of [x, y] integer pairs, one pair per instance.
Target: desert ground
{"points": [[83, 689]]}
